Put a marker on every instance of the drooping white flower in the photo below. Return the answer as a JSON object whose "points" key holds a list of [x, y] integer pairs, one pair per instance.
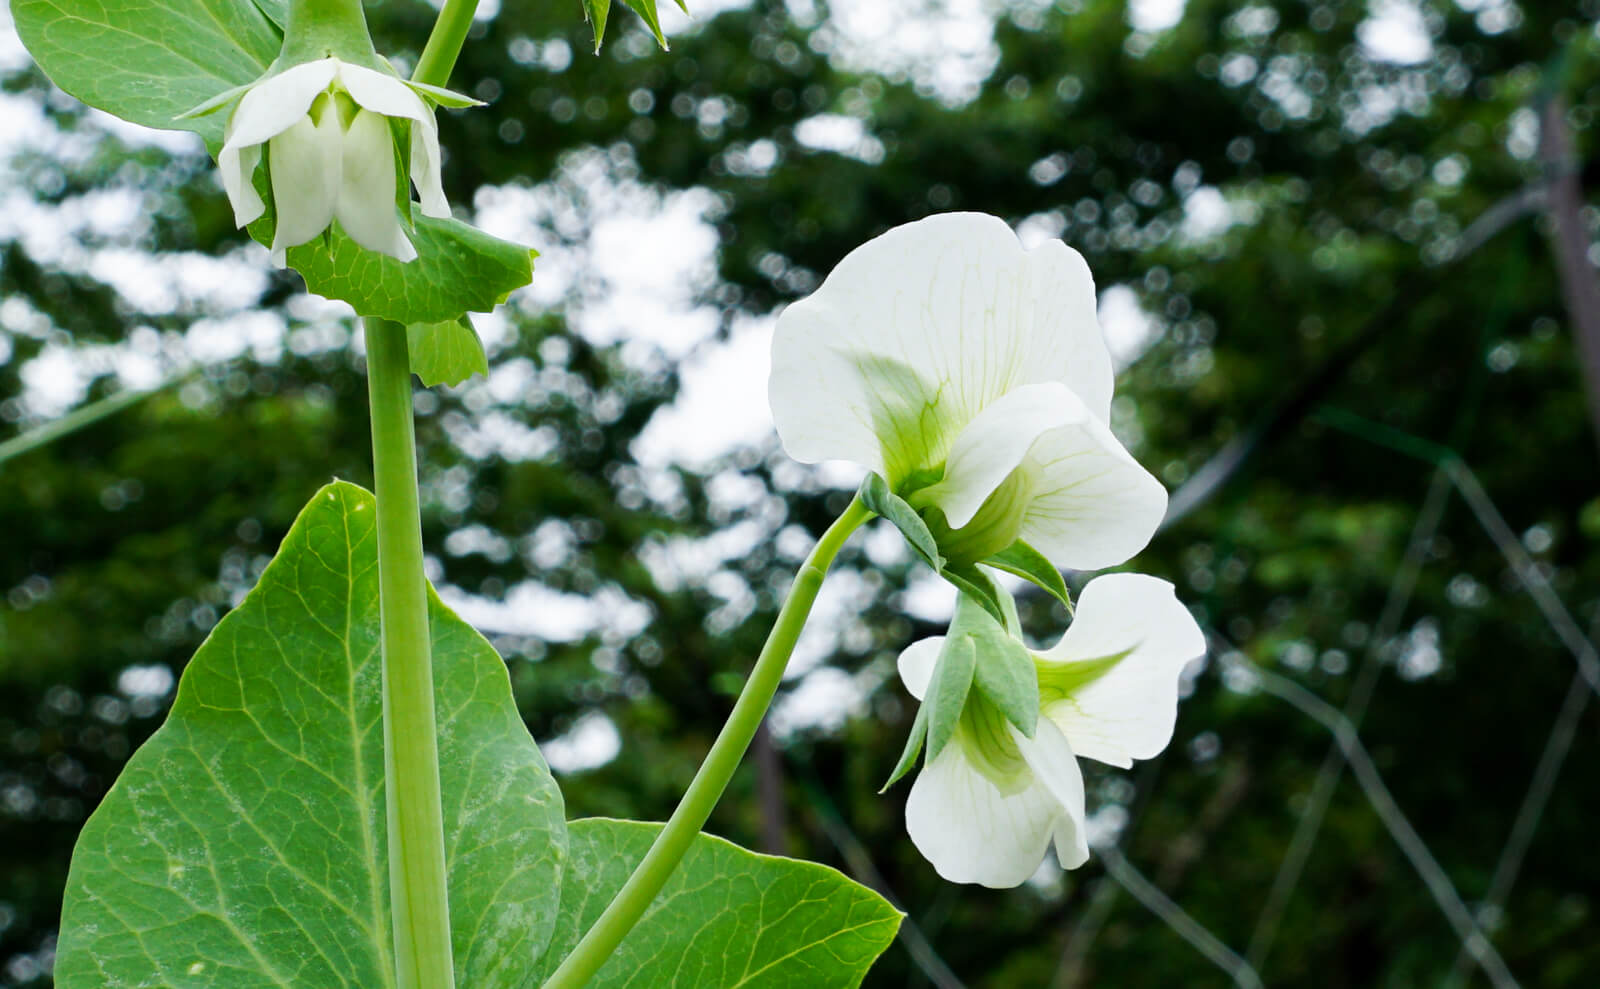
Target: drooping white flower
{"points": [[972, 375], [987, 806], [324, 129]]}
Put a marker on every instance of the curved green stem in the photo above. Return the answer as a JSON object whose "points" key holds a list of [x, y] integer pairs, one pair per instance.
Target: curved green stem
{"points": [[714, 774], [417, 882], [444, 43]]}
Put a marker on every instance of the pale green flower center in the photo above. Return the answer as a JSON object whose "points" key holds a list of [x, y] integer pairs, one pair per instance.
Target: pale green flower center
{"points": [[909, 417], [997, 524], [1059, 681], [985, 738]]}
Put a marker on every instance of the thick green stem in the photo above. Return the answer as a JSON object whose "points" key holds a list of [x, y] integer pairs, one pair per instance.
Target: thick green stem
{"points": [[444, 43], [417, 882], [714, 774]]}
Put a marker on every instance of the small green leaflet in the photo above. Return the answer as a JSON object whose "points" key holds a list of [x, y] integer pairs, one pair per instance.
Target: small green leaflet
{"points": [[947, 690], [1028, 563], [875, 494], [596, 11], [245, 847], [727, 917], [1005, 671], [445, 353], [908, 755]]}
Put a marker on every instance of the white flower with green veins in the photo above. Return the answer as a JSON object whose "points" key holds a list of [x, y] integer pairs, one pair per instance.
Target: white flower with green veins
{"points": [[323, 128], [990, 798], [971, 375]]}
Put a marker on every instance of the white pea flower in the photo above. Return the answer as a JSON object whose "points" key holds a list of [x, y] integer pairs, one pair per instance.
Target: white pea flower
{"points": [[987, 806], [324, 129], [972, 375]]}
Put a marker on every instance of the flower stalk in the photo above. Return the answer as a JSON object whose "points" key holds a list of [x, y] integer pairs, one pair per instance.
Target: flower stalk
{"points": [[712, 778], [417, 878]]}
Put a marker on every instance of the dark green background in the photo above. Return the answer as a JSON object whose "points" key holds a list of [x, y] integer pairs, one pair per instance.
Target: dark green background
{"points": [[1329, 326]]}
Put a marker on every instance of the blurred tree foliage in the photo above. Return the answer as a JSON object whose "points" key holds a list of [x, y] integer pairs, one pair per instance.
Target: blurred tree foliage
{"points": [[1349, 301]]}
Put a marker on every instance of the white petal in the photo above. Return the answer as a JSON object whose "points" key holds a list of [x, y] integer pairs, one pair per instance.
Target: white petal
{"points": [[238, 167], [1127, 712], [1093, 506], [380, 93], [366, 207], [304, 161], [995, 443], [973, 833], [425, 168], [1072, 842], [917, 662], [955, 301], [1050, 756], [275, 103]]}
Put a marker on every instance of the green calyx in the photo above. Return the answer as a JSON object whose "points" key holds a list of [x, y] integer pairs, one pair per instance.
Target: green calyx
{"points": [[985, 738], [319, 29]]}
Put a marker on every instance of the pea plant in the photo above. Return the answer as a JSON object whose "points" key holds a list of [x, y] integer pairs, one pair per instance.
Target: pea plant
{"points": [[344, 794]]}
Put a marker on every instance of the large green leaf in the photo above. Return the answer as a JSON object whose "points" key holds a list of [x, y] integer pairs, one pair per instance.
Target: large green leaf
{"points": [[244, 844], [728, 918], [150, 60], [459, 269]]}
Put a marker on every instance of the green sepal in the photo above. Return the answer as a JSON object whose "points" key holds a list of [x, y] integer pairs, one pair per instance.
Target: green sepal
{"points": [[948, 689], [216, 102], [444, 97], [447, 352], [908, 757], [400, 140], [1028, 563], [975, 584], [875, 494], [1005, 672]]}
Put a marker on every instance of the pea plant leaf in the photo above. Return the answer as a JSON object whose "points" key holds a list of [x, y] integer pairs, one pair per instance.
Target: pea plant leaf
{"points": [[459, 269], [727, 918], [151, 60], [243, 847], [445, 353]]}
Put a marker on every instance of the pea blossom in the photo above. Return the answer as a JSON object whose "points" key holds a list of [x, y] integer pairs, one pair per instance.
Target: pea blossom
{"points": [[985, 808], [324, 129], [971, 374]]}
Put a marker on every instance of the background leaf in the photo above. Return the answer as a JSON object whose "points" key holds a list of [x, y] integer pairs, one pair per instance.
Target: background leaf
{"points": [[244, 844], [445, 353], [727, 918]]}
